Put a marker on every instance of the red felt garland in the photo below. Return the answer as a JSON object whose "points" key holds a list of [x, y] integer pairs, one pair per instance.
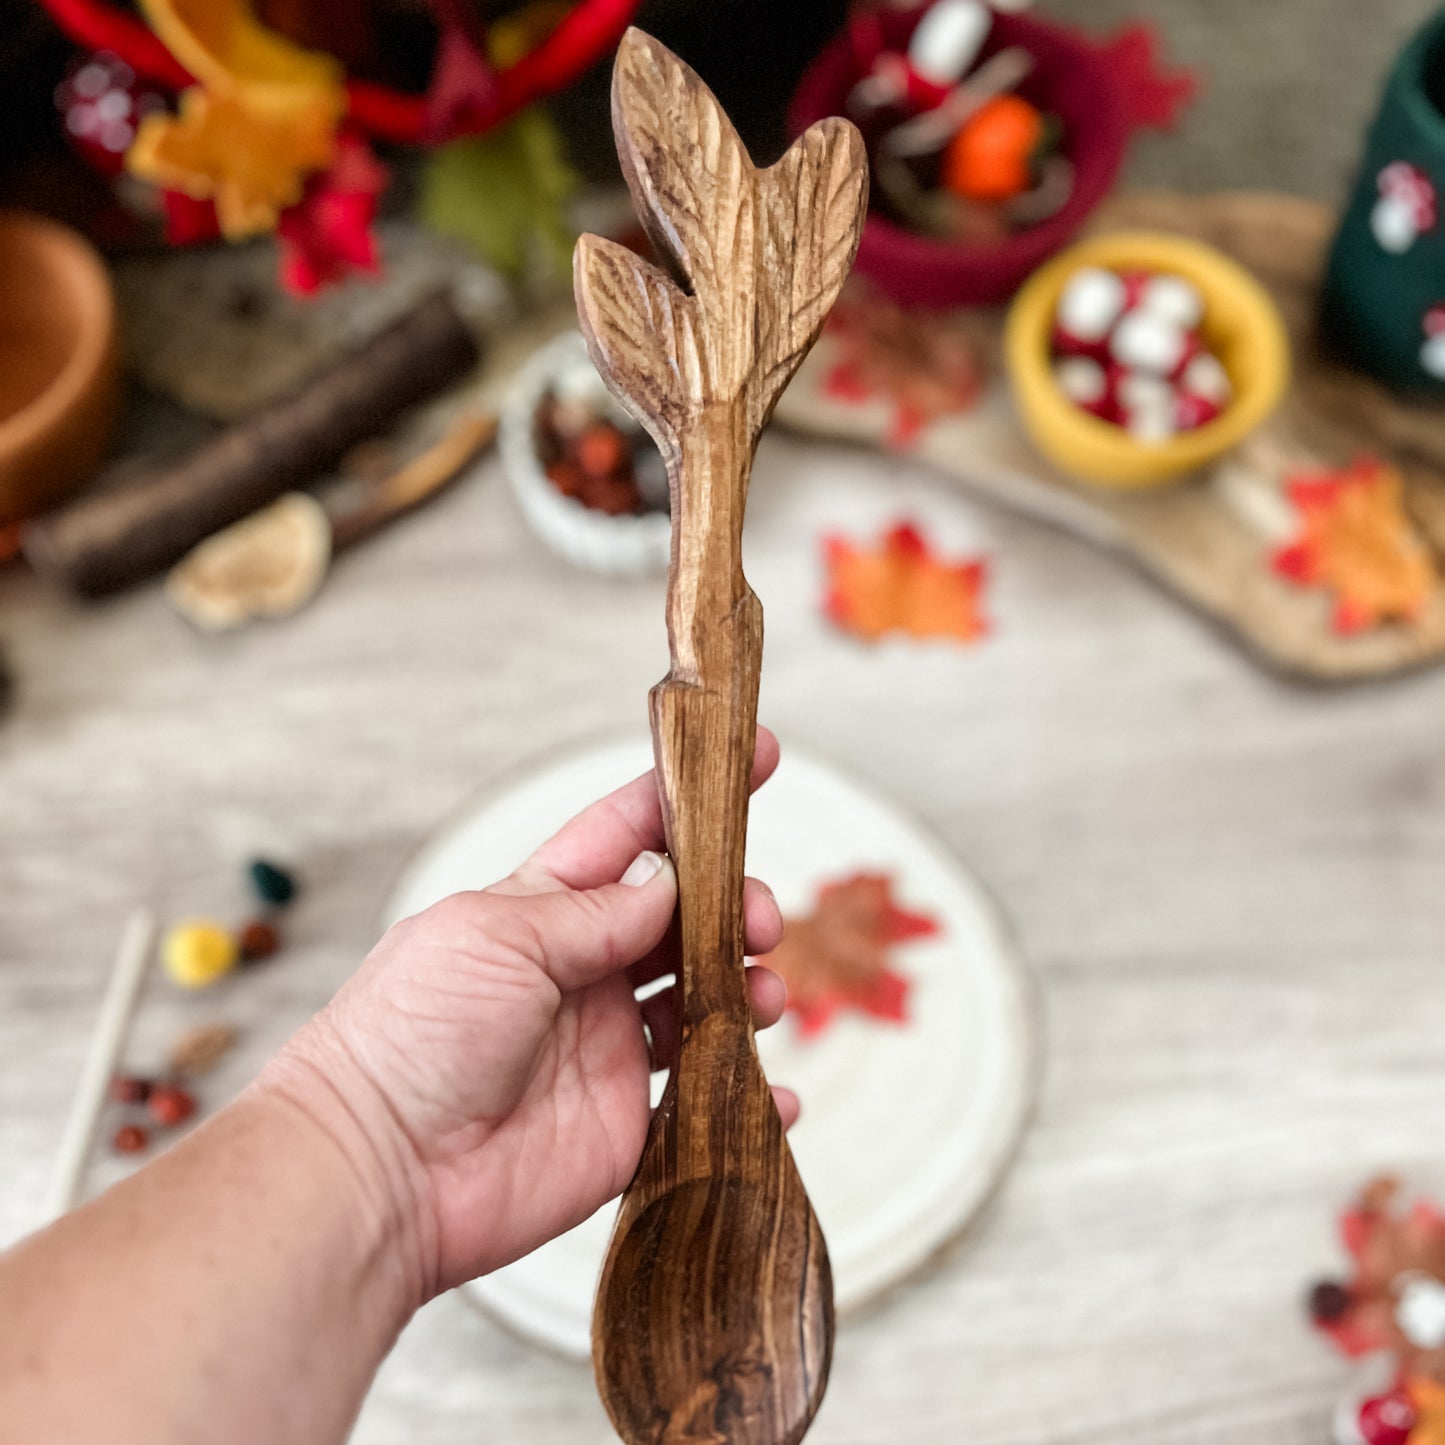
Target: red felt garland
{"points": [[578, 42]]}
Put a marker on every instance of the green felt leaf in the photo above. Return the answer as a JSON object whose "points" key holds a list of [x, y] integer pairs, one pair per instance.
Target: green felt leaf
{"points": [[504, 193]]}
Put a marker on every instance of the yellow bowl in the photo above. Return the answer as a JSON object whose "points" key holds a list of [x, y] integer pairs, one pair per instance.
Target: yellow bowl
{"points": [[1242, 326]]}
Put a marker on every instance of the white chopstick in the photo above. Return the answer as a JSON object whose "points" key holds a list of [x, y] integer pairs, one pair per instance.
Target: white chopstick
{"points": [[127, 974]]}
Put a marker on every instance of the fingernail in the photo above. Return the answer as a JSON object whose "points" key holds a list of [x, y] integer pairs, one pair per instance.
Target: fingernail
{"points": [[643, 869]]}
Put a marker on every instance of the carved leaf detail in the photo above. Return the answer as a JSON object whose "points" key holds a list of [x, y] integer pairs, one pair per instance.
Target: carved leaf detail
{"points": [[693, 185], [814, 202], [685, 164], [642, 333]]}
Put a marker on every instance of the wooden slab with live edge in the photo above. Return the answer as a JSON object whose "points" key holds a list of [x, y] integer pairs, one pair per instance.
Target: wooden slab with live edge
{"points": [[714, 1314], [1208, 539]]}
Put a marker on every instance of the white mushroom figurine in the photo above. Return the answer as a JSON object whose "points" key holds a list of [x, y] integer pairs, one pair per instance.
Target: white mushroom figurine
{"points": [[1406, 208]]}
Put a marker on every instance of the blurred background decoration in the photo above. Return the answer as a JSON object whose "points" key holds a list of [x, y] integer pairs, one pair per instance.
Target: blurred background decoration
{"points": [[274, 274]]}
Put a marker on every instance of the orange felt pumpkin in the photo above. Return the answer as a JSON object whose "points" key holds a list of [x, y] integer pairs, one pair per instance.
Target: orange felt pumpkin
{"points": [[991, 157]]}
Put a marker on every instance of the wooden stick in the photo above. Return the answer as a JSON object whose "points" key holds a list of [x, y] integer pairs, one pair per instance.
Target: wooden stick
{"points": [[127, 974], [114, 538], [416, 482]]}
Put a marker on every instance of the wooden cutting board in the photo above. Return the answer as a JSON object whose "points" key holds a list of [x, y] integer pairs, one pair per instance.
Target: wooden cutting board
{"points": [[1207, 539]]}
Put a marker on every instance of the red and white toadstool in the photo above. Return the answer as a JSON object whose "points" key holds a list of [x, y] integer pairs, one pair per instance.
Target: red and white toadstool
{"points": [[1432, 352], [1406, 208]]}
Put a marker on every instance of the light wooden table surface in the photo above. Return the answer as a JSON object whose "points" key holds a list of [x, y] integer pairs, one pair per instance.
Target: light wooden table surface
{"points": [[1232, 891]]}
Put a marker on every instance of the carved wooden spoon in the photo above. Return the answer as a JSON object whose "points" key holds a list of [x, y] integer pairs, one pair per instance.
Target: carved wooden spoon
{"points": [[714, 1316]]}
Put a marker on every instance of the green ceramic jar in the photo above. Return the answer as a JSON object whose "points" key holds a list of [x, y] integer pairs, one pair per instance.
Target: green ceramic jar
{"points": [[1383, 307]]}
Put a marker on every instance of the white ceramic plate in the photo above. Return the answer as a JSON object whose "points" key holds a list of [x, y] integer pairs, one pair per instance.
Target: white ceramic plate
{"points": [[906, 1129]]}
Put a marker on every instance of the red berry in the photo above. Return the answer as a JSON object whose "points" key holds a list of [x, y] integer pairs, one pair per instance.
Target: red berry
{"points": [[258, 940], [1388, 1419], [129, 1139], [601, 450], [170, 1105], [126, 1089]]}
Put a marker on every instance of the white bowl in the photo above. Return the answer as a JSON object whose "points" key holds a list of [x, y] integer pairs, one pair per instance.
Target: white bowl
{"points": [[636, 546]]}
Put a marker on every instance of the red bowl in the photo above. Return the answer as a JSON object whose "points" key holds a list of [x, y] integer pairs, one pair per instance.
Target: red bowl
{"points": [[1072, 78]]}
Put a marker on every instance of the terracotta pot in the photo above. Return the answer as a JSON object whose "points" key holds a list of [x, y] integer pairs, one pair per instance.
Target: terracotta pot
{"points": [[59, 367]]}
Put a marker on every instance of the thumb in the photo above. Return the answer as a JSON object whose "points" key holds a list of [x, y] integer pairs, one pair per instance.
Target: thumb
{"points": [[587, 934]]}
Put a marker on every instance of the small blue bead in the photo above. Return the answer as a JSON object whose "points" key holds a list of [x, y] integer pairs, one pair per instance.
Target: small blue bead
{"points": [[273, 885]]}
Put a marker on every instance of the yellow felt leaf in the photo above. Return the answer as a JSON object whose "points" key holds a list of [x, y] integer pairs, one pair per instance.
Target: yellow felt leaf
{"points": [[223, 45], [251, 162]]}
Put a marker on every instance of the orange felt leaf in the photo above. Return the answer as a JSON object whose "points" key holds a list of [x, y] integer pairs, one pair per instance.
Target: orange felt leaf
{"points": [[251, 162], [838, 957], [222, 44], [262, 118], [1428, 1398], [1357, 541], [901, 586]]}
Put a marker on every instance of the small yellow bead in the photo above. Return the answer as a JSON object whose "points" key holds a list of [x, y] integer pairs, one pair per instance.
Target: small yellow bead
{"points": [[199, 952]]}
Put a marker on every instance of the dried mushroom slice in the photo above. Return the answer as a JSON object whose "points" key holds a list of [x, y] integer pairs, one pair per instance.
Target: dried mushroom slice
{"points": [[268, 565]]}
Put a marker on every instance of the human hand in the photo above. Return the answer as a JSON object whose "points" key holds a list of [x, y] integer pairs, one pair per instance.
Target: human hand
{"points": [[490, 1051]]}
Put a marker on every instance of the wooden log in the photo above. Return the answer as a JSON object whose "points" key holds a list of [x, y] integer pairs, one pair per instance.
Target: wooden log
{"points": [[140, 526]]}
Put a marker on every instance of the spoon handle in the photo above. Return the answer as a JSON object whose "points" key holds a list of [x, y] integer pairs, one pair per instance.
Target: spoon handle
{"points": [[757, 258]]}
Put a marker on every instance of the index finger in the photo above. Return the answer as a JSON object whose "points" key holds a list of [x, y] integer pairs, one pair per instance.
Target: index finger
{"points": [[599, 843]]}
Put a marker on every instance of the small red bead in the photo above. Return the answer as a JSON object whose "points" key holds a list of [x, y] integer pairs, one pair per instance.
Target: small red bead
{"points": [[127, 1089], [129, 1139], [1329, 1301], [1388, 1419], [258, 940], [170, 1105]]}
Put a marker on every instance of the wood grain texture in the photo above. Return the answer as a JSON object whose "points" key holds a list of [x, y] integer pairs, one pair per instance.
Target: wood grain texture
{"points": [[714, 1315]]}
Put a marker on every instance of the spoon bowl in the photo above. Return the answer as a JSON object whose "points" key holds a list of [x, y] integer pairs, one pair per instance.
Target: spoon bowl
{"points": [[715, 1314]]}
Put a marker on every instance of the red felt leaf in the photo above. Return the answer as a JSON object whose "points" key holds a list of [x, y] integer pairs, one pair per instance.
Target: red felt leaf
{"points": [[840, 956], [463, 93], [189, 222], [327, 235], [924, 365], [1150, 94]]}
